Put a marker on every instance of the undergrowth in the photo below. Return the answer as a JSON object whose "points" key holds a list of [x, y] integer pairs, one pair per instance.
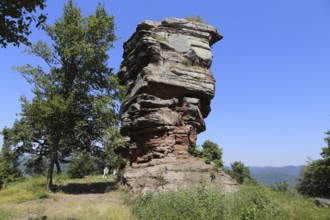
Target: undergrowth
{"points": [[196, 203], [250, 203]]}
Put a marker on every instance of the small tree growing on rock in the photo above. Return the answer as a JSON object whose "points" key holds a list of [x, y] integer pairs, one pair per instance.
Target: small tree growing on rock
{"points": [[210, 152]]}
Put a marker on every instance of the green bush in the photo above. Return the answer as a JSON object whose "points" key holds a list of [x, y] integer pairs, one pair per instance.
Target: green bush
{"points": [[314, 178], [195, 203], [36, 185], [82, 165], [9, 167], [210, 152], [281, 186], [195, 18], [241, 173], [251, 202], [194, 151]]}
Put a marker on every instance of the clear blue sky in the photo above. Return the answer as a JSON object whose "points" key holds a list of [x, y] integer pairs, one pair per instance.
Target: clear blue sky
{"points": [[272, 72]]}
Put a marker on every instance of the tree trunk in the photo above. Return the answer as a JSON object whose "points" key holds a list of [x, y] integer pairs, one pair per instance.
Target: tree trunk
{"points": [[58, 167], [50, 173]]}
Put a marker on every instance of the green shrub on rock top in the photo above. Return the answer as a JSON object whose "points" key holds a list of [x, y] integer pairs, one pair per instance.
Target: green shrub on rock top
{"points": [[210, 152], [195, 18]]}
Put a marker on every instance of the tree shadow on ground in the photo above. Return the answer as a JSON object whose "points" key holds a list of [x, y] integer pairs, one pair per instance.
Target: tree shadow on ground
{"points": [[88, 188]]}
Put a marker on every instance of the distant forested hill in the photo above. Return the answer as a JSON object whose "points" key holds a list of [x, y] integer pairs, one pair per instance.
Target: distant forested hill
{"points": [[272, 175]]}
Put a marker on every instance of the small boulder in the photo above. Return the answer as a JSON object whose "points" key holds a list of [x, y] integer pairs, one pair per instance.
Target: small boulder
{"points": [[322, 202]]}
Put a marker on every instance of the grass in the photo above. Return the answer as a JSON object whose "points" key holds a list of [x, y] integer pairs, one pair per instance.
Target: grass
{"points": [[101, 208], [25, 190], [251, 202], [28, 199], [187, 62], [195, 18], [159, 37]]}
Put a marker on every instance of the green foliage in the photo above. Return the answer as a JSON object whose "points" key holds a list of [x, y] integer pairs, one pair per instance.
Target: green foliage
{"points": [[241, 173], [82, 164], [205, 202], [314, 178], [16, 18], [26, 189], [195, 18], [199, 203], [326, 150], [18, 201], [116, 149], [77, 100], [210, 152], [256, 203], [36, 186], [35, 166], [158, 37], [251, 202], [187, 62], [194, 151], [281, 186], [9, 167]]}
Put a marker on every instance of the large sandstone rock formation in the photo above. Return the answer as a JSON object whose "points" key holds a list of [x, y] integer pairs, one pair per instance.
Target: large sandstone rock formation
{"points": [[169, 86]]}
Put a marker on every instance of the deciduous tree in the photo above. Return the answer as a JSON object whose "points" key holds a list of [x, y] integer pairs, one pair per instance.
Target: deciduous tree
{"points": [[240, 172], [315, 176], [76, 99], [212, 152], [16, 18]]}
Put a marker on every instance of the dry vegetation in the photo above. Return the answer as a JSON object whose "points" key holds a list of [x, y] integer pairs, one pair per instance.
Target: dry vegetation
{"points": [[19, 201]]}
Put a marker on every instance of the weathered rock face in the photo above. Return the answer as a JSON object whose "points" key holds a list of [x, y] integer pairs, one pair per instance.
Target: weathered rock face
{"points": [[169, 84], [175, 172]]}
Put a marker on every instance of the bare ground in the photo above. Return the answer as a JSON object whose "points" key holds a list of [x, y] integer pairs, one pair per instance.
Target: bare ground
{"points": [[74, 201]]}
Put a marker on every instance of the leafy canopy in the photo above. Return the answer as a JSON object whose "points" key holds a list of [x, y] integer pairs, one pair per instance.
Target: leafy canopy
{"points": [[315, 176], [76, 100], [16, 18]]}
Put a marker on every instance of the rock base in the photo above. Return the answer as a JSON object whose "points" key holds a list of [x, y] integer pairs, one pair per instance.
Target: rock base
{"points": [[175, 172]]}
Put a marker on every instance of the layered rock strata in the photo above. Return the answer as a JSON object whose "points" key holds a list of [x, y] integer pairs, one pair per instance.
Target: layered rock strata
{"points": [[169, 87], [176, 172]]}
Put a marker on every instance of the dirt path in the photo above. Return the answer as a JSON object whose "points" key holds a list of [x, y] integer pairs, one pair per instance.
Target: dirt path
{"points": [[67, 205]]}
